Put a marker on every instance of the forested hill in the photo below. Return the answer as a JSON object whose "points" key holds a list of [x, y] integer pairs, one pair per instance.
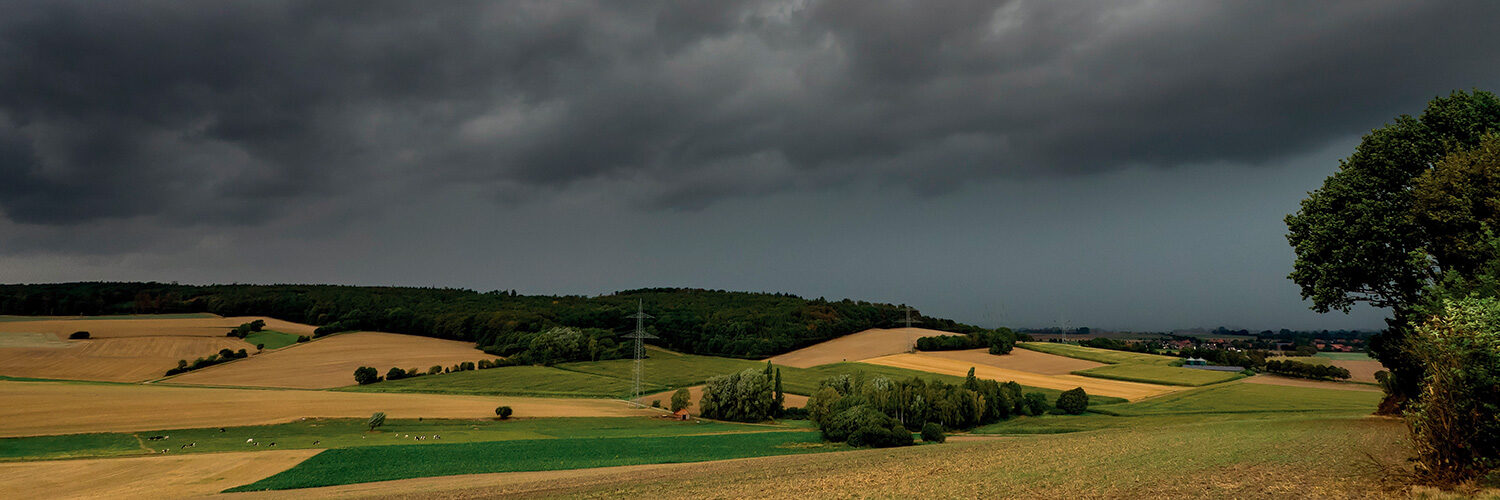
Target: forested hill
{"points": [[715, 322]]}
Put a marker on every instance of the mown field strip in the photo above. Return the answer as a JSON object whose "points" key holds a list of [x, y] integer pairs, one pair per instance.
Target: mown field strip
{"points": [[39, 408], [1103, 387]]}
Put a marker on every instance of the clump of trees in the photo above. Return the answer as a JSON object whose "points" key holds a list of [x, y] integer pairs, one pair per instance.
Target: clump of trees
{"points": [[999, 341], [503, 412], [933, 433], [1073, 401], [1120, 345], [224, 355], [1306, 370], [245, 329], [366, 375], [747, 396], [681, 400]]}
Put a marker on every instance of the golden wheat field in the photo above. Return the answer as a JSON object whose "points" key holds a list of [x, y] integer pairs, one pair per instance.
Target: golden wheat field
{"points": [[854, 347], [1025, 360], [1102, 387], [331, 361], [179, 476], [119, 359], [148, 327], [38, 408]]}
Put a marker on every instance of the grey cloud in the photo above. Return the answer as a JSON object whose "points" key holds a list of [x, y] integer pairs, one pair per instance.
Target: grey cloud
{"points": [[237, 112]]}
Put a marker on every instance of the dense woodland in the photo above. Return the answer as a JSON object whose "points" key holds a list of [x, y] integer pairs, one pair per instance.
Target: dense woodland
{"points": [[711, 322]]}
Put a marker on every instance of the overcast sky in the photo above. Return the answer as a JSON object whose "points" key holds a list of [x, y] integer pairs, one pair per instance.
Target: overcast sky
{"points": [[1120, 164]]}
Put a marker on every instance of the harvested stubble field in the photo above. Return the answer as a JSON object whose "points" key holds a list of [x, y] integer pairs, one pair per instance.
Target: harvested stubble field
{"points": [[147, 326], [1269, 379], [1361, 367], [41, 408], [143, 477], [854, 347], [119, 359], [1025, 360], [1321, 458], [1093, 386], [330, 362]]}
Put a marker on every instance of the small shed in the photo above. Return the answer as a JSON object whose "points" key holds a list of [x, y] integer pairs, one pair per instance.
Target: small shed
{"points": [[1195, 362], [681, 414]]}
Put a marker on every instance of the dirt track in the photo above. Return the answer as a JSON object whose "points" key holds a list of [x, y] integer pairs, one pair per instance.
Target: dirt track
{"points": [[854, 347], [37, 408], [1025, 360], [330, 362], [143, 477], [1102, 387]]}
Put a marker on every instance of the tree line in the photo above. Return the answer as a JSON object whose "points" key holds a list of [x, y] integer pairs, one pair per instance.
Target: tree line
{"points": [[708, 322]]}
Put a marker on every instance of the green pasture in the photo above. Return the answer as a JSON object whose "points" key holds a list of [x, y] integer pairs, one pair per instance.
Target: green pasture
{"points": [[1345, 356], [351, 432], [382, 463], [512, 381], [1099, 355], [1158, 374], [271, 338], [1249, 398]]}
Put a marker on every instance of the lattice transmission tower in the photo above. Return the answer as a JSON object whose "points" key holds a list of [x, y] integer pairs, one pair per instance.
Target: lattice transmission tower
{"points": [[640, 336]]}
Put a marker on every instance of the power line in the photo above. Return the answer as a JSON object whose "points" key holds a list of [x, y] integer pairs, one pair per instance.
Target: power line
{"points": [[639, 335]]}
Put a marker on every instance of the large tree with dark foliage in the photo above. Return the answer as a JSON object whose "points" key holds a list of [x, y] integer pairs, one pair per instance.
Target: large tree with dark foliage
{"points": [[712, 322], [1367, 236]]}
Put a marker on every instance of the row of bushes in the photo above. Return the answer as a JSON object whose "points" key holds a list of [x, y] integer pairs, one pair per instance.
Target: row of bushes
{"points": [[366, 375], [999, 341], [1306, 370], [224, 355], [1120, 345]]}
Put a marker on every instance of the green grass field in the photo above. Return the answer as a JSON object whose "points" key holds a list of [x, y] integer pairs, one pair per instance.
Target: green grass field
{"points": [[1098, 355], [348, 432], [1158, 374], [381, 463], [667, 370], [1250, 398], [272, 339], [512, 381], [1346, 356]]}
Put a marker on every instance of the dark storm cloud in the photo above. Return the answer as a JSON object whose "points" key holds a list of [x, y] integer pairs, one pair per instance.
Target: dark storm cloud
{"points": [[215, 112]]}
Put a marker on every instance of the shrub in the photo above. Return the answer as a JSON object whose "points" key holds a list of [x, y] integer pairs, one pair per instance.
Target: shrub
{"points": [[933, 433], [1455, 425], [503, 412], [303, 338], [260, 347], [79, 336], [1073, 401], [681, 399], [395, 374], [1035, 403], [436, 369], [366, 375], [794, 413], [862, 425], [376, 420], [656, 403]]}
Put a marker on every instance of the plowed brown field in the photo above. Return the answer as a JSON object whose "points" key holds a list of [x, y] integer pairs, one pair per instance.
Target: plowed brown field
{"points": [[1025, 360], [330, 362], [36, 408], [143, 477], [1102, 387], [854, 347]]}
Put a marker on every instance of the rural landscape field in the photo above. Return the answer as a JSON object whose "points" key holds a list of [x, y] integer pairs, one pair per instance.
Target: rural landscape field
{"points": [[790, 249], [292, 421]]}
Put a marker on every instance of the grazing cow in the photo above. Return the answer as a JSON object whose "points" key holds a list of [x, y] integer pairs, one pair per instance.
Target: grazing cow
{"points": [[273, 443], [315, 443], [251, 440]]}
